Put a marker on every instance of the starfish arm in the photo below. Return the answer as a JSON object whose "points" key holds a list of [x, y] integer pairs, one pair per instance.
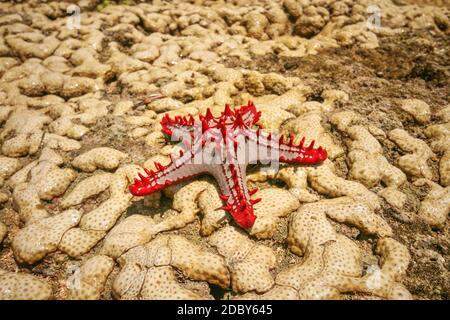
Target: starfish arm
{"points": [[184, 125], [298, 153], [164, 176], [231, 179], [270, 147]]}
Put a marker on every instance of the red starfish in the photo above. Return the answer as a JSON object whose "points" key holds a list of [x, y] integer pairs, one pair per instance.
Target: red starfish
{"points": [[223, 147]]}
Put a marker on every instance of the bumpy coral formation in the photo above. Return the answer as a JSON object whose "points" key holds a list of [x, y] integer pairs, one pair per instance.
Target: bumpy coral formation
{"points": [[22, 286], [249, 263], [131, 232], [275, 203], [324, 180], [41, 237], [332, 262], [434, 209], [3, 231], [92, 277], [440, 135], [95, 223], [415, 162], [99, 158], [85, 109], [365, 156], [148, 271], [8, 166], [418, 109], [42, 179]]}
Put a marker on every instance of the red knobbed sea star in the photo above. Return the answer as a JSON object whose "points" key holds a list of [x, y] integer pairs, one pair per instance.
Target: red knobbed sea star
{"points": [[223, 147]]}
